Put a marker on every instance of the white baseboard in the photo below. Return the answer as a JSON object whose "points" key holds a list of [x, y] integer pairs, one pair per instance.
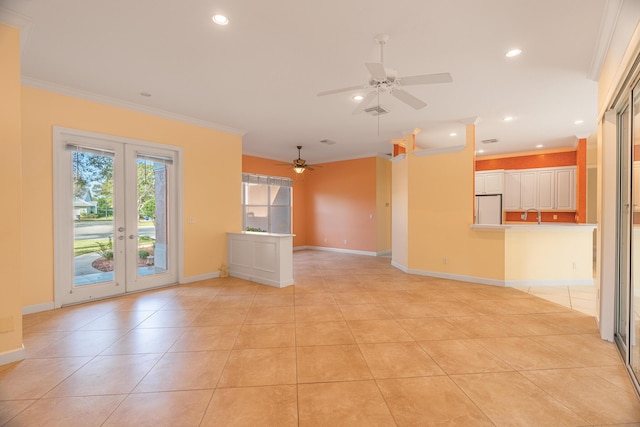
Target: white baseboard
{"points": [[200, 277], [37, 308], [300, 248], [12, 356], [261, 280], [494, 282], [343, 251], [384, 253]]}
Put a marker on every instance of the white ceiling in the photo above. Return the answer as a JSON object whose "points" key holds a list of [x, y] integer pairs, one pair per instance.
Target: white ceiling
{"points": [[260, 74]]}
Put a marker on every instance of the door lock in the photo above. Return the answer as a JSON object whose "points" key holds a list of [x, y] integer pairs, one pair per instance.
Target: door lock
{"points": [[120, 229], [132, 236]]}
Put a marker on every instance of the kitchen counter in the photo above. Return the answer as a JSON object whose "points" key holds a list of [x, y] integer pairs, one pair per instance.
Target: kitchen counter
{"points": [[533, 225]]}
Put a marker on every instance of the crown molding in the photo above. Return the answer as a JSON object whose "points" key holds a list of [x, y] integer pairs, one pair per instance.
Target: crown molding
{"points": [[89, 96], [526, 153], [16, 20], [607, 28]]}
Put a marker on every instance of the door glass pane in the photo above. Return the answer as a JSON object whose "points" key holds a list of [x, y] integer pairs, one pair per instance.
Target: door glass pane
{"points": [[93, 212], [152, 256]]}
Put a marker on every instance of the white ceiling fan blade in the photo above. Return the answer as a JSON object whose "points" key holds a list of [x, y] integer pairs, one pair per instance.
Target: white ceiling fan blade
{"points": [[365, 102], [408, 99], [376, 69], [345, 89], [426, 79]]}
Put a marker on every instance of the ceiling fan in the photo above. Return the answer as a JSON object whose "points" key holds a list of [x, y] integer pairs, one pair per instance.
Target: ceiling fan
{"points": [[386, 80], [299, 165]]}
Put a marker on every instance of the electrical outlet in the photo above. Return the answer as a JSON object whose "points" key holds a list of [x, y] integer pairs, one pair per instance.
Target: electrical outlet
{"points": [[370, 216], [192, 220], [444, 260], [574, 265], [345, 241], [555, 217], [326, 240]]}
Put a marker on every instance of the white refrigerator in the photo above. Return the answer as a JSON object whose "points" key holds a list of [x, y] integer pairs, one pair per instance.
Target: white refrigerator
{"points": [[489, 209]]}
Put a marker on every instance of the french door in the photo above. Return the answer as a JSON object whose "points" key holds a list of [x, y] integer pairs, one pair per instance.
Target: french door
{"points": [[115, 213]]}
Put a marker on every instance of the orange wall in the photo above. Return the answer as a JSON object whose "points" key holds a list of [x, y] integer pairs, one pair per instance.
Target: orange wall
{"points": [[581, 182], [546, 160], [260, 166], [341, 205]]}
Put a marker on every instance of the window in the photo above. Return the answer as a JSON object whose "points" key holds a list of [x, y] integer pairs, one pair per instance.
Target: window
{"points": [[266, 203]]}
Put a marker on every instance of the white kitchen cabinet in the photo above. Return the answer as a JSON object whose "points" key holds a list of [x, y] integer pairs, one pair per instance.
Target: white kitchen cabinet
{"points": [[512, 191], [542, 188], [489, 182], [528, 189], [565, 197], [546, 189]]}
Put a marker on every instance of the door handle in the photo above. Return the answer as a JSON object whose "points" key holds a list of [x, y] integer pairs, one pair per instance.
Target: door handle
{"points": [[120, 237], [132, 236], [120, 229]]}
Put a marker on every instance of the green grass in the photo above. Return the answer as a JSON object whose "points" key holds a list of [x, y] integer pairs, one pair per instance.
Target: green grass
{"points": [[81, 247]]}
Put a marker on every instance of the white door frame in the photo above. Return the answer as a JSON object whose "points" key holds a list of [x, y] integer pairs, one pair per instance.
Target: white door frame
{"points": [[63, 268]]}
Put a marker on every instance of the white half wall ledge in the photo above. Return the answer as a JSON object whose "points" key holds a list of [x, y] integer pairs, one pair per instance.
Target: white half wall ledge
{"points": [[198, 278], [37, 308], [12, 356]]}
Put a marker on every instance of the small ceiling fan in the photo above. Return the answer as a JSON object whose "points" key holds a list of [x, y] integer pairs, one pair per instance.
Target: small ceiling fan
{"points": [[386, 80], [299, 165]]}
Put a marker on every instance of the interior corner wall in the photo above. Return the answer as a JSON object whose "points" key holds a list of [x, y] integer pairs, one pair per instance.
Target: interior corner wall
{"points": [[383, 205], [261, 166], [441, 241], [11, 243], [211, 179], [400, 211], [341, 205]]}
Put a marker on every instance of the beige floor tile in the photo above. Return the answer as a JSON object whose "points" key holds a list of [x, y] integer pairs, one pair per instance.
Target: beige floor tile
{"points": [[185, 371], [270, 406], [411, 311], [261, 315], [255, 367], [11, 408], [32, 378], [229, 301], [205, 338], [523, 353], [430, 401], [396, 360], [463, 357], [80, 343], [170, 319], [271, 300], [351, 297], [616, 375], [531, 324], [186, 303], [433, 328], [593, 398], [122, 320], [323, 333], [573, 322], [266, 336], [370, 331], [484, 326], [363, 312], [215, 316], [392, 296], [106, 375], [509, 399], [318, 313], [272, 290], [68, 412], [355, 403], [331, 363], [601, 353], [151, 340], [314, 298], [175, 408], [242, 290], [34, 342]]}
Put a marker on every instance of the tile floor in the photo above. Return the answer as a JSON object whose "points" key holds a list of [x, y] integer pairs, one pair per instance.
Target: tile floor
{"points": [[579, 298], [354, 343]]}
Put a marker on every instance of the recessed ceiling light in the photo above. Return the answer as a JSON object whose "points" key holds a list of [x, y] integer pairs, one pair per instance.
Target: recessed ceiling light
{"points": [[220, 19], [358, 98], [508, 118], [513, 52], [481, 151], [539, 146], [578, 122], [453, 134], [147, 94]]}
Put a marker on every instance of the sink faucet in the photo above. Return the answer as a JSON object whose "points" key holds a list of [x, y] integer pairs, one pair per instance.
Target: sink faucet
{"points": [[524, 215]]}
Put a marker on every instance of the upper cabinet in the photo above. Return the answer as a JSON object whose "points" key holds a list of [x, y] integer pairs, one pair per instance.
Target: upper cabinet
{"points": [[544, 188], [490, 182]]}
